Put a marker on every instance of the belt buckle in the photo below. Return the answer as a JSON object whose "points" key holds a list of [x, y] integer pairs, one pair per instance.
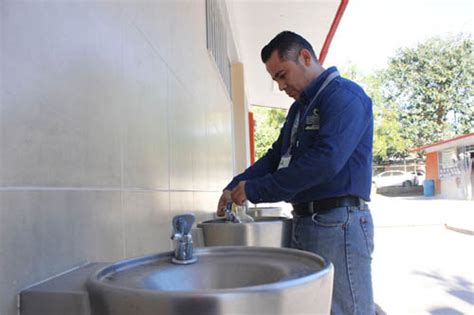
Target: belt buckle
{"points": [[304, 209], [311, 207]]}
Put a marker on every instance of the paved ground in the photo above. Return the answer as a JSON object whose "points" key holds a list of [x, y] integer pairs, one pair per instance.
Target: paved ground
{"points": [[420, 266]]}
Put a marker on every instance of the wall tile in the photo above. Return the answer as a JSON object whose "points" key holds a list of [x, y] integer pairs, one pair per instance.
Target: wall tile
{"points": [[188, 50], [120, 118], [199, 156], [43, 233], [147, 223], [155, 22], [146, 160], [59, 112], [205, 205], [180, 136], [181, 202]]}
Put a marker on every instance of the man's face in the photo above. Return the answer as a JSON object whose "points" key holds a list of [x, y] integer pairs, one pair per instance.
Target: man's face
{"points": [[289, 75]]}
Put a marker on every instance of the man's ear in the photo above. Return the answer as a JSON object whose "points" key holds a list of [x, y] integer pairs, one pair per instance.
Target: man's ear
{"points": [[305, 56]]}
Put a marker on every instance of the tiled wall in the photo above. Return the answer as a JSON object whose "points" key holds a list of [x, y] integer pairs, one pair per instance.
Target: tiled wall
{"points": [[112, 120]]}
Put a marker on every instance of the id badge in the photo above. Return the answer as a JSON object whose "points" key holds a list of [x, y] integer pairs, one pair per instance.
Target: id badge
{"points": [[285, 161]]}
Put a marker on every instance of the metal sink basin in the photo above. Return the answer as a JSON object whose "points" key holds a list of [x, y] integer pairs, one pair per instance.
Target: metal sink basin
{"points": [[264, 231], [224, 280], [257, 212]]}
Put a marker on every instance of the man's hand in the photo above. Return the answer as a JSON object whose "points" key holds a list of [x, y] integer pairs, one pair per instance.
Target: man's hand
{"points": [[223, 200], [238, 194]]}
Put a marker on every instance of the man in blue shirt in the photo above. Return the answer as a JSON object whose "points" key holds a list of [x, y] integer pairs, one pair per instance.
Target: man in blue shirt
{"points": [[321, 163]]}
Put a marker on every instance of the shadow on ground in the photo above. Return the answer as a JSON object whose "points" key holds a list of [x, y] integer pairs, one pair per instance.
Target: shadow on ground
{"points": [[444, 311], [456, 286], [397, 191]]}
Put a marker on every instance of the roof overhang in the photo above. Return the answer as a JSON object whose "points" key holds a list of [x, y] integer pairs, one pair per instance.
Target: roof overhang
{"points": [[255, 22], [462, 140]]}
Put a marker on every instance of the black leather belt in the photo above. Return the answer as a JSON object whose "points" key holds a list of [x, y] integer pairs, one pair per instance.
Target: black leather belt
{"points": [[324, 205]]}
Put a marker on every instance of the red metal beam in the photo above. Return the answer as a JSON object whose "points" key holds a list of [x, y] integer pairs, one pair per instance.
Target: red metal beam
{"points": [[332, 30], [252, 138], [322, 56]]}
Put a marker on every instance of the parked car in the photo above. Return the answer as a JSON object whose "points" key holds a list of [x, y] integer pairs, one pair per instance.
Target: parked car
{"points": [[394, 178], [419, 177]]}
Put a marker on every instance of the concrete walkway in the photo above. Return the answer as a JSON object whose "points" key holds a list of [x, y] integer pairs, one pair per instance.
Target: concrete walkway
{"points": [[419, 210], [423, 261]]}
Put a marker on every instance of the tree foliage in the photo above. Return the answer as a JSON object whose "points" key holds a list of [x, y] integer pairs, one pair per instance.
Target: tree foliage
{"points": [[431, 89], [388, 140], [425, 94], [268, 124]]}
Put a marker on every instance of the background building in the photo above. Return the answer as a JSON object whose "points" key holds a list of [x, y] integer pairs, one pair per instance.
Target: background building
{"points": [[450, 164]]}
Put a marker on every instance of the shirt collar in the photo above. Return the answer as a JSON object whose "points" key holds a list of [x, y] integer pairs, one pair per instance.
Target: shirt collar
{"points": [[312, 88]]}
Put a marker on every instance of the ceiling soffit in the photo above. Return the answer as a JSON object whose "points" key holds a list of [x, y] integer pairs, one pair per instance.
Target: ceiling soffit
{"points": [[254, 23]]}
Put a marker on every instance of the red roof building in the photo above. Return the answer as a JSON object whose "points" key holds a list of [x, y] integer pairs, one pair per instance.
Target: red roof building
{"points": [[450, 164]]}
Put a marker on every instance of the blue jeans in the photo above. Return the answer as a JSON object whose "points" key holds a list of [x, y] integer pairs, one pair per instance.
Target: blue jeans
{"points": [[344, 236]]}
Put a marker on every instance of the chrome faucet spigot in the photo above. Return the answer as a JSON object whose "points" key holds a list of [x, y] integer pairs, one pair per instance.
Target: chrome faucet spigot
{"points": [[183, 253], [229, 214]]}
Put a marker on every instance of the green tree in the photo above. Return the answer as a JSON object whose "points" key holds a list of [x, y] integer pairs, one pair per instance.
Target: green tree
{"points": [[268, 124], [431, 89], [388, 140]]}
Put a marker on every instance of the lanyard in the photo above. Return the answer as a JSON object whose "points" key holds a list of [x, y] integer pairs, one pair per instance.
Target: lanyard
{"points": [[296, 123]]}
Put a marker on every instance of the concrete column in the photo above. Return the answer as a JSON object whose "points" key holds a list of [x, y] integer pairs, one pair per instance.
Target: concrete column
{"points": [[432, 170], [240, 115]]}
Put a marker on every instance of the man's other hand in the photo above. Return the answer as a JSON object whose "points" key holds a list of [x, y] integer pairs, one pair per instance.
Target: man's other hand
{"points": [[238, 194], [223, 200]]}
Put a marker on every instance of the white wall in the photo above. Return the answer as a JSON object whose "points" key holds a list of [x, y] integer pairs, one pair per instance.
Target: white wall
{"points": [[457, 187], [112, 120]]}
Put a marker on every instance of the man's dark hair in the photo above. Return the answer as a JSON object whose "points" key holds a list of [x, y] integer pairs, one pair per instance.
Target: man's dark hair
{"points": [[288, 45]]}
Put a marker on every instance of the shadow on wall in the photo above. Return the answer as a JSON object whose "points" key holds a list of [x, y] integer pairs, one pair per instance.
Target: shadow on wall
{"points": [[458, 287]]}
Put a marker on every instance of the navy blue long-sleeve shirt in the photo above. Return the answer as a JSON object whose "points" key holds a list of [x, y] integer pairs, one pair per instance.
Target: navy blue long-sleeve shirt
{"points": [[332, 154]]}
